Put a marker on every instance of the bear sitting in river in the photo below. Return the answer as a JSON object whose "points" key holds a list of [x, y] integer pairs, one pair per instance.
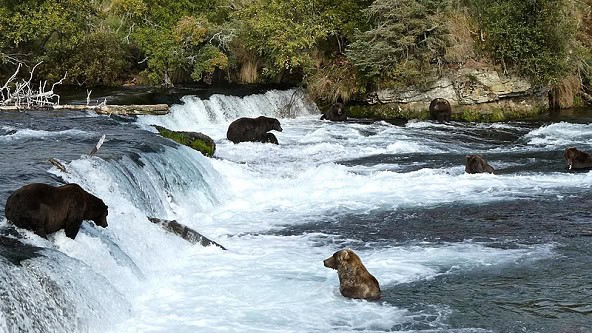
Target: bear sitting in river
{"points": [[336, 113], [577, 159], [354, 279], [253, 129], [440, 110], [477, 164], [45, 209]]}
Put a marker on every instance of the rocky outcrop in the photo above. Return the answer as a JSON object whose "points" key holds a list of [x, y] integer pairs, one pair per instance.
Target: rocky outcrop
{"points": [[195, 140], [474, 94]]}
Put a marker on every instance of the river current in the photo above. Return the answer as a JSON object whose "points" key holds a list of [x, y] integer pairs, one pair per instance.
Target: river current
{"points": [[453, 252]]}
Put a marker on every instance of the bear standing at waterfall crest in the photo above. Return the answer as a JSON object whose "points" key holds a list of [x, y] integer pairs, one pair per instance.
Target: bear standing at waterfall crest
{"points": [[354, 279], [45, 209], [253, 129]]}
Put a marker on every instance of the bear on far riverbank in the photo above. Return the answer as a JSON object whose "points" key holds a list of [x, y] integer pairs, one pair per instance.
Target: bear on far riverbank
{"points": [[253, 129], [354, 279], [45, 209], [440, 110], [336, 113]]}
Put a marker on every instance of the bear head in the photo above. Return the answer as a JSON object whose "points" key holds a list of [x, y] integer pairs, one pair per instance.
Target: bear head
{"points": [[575, 156], [96, 210], [270, 123], [476, 164], [440, 104], [341, 258]]}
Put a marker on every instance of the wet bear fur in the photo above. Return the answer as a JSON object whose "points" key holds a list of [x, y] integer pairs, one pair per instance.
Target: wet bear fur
{"points": [[253, 129], [577, 159], [270, 138], [336, 113], [45, 209], [477, 164], [440, 110], [354, 279]]}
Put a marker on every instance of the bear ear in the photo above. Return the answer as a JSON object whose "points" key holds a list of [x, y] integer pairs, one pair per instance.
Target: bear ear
{"points": [[344, 254]]}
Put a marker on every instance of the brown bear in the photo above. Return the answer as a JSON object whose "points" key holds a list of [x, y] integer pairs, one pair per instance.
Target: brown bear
{"points": [[252, 129], [270, 138], [477, 164], [577, 159], [45, 209], [354, 279], [336, 113], [440, 110]]}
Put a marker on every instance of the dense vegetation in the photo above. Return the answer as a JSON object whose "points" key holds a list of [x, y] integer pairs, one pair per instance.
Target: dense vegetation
{"points": [[336, 49]]}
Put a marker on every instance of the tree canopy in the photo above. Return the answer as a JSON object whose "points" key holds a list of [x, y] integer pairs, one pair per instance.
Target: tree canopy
{"points": [[336, 49]]}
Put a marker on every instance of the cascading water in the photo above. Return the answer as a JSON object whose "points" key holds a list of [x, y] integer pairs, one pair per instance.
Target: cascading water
{"points": [[398, 195]]}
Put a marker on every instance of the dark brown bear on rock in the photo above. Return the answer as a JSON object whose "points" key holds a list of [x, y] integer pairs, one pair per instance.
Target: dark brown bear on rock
{"points": [[477, 164], [253, 129], [577, 159], [354, 279], [336, 113], [440, 110], [45, 209]]}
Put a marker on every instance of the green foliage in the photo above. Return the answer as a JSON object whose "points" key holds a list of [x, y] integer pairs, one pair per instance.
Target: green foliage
{"points": [[285, 34], [176, 37], [533, 37], [405, 38], [337, 49]]}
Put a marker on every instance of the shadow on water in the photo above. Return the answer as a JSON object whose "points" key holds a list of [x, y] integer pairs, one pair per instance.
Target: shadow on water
{"points": [[13, 250]]}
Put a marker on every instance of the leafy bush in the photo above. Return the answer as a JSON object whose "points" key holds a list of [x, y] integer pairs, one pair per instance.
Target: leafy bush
{"points": [[405, 43], [533, 37]]}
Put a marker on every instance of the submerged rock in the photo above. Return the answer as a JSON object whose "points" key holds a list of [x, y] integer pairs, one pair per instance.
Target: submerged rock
{"points": [[195, 140], [184, 232]]}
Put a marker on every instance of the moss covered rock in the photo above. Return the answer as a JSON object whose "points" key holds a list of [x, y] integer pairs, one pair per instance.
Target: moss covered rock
{"points": [[195, 140], [503, 110]]}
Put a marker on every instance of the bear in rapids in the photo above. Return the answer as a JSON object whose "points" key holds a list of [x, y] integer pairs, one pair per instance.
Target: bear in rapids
{"points": [[336, 113], [577, 159], [354, 279], [253, 129], [45, 209], [477, 164], [440, 110]]}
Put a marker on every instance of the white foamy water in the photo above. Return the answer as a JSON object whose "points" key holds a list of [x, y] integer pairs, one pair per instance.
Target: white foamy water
{"points": [[266, 282]]}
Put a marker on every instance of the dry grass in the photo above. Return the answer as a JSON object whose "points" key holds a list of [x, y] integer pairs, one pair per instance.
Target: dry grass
{"points": [[462, 31], [248, 72], [563, 94]]}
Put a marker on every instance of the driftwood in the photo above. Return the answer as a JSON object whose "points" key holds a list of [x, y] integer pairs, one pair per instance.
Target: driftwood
{"points": [[58, 164], [152, 109], [22, 95], [97, 146], [184, 232]]}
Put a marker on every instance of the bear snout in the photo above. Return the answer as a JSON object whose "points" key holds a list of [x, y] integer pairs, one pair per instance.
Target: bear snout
{"points": [[329, 263], [101, 222]]}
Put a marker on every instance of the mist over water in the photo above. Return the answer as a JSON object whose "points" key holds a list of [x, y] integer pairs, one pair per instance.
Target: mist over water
{"points": [[453, 252]]}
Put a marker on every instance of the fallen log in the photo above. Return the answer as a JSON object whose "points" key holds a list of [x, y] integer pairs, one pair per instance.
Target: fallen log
{"points": [[184, 232], [137, 109]]}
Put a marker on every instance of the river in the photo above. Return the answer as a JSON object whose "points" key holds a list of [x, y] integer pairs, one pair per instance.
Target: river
{"points": [[453, 252]]}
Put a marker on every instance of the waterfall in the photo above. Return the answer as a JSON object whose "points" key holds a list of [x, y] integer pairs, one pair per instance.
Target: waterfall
{"points": [[196, 114], [86, 284]]}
